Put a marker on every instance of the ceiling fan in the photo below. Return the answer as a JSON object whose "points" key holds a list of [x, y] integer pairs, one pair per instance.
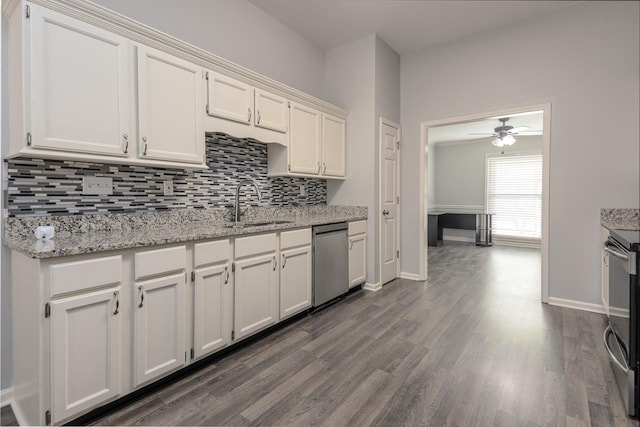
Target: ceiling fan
{"points": [[503, 134]]}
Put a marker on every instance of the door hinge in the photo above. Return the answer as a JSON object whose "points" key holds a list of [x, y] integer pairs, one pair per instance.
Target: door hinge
{"points": [[233, 335], [397, 254], [193, 276], [193, 354], [47, 418], [28, 11], [233, 267], [47, 310], [29, 138]]}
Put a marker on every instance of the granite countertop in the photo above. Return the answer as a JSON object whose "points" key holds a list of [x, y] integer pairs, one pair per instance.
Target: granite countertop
{"points": [[84, 234], [620, 218]]}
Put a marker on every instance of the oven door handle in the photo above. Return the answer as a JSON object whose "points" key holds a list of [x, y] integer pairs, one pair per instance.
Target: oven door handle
{"points": [[605, 337], [609, 248]]}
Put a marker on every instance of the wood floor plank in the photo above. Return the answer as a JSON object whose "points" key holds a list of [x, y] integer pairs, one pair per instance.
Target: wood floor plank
{"points": [[472, 346]]}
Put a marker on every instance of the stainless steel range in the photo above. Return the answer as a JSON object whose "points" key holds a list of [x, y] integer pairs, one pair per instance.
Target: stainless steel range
{"points": [[622, 334]]}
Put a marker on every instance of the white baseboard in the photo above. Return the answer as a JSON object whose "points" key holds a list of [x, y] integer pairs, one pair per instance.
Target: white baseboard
{"points": [[619, 312], [577, 305], [373, 287], [6, 396], [458, 239], [516, 243], [410, 276]]}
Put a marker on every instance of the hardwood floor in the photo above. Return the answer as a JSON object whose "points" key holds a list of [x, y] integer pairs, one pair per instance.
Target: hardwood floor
{"points": [[472, 346]]}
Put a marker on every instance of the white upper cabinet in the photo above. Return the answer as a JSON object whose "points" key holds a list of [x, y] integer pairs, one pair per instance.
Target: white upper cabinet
{"points": [[272, 111], [317, 144], [78, 84], [333, 146], [229, 98], [304, 140], [239, 109], [169, 108], [80, 92]]}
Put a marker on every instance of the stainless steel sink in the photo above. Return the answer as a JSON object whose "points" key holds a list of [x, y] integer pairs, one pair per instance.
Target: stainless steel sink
{"points": [[257, 224]]}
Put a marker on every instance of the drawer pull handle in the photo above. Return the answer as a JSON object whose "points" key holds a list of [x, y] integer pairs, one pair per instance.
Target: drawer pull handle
{"points": [[249, 115], [125, 138], [350, 244], [284, 260], [144, 139], [226, 270], [141, 297], [117, 296], [258, 116], [275, 263]]}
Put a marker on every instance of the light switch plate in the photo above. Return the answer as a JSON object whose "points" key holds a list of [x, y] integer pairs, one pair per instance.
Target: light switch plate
{"points": [[168, 188], [95, 185]]}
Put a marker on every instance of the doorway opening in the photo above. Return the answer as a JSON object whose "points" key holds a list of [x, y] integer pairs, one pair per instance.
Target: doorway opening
{"points": [[489, 163]]}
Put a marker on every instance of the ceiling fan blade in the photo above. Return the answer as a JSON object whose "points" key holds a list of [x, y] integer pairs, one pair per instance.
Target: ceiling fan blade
{"points": [[519, 129], [482, 133]]}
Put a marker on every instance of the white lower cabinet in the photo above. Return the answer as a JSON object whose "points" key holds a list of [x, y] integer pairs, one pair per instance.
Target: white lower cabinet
{"points": [[604, 270], [256, 284], [159, 313], [295, 272], [85, 351], [212, 297], [357, 253]]}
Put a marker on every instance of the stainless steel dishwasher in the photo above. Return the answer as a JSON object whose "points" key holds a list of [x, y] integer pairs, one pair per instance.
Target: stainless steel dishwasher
{"points": [[330, 262]]}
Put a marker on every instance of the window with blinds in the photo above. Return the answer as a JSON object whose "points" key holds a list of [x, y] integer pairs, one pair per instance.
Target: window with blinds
{"points": [[514, 195]]}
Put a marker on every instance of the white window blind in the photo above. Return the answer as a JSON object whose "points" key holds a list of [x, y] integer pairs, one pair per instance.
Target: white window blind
{"points": [[514, 195]]}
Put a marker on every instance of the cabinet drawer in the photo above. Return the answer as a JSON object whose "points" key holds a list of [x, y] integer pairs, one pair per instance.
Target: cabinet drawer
{"points": [[254, 245], [291, 239], [210, 253], [85, 274], [357, 227], [160, 261]]}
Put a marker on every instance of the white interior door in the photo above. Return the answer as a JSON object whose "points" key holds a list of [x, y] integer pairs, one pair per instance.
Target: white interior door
{"points": [[389, 200]]}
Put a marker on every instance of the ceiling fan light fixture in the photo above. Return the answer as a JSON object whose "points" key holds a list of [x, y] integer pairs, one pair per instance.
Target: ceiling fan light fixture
{"points": [[503, 140]]}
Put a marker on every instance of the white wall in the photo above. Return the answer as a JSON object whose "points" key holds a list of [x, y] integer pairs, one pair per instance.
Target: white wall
{"points": [[460, 169], [364, 77], [235, 30], [584, 60]]}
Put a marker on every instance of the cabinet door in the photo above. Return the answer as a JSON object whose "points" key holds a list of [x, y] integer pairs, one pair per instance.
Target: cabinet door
{"points": [[78, 85], [85, 351], [272, 111], [169, 108], [333, 146], [357, 259], [213, 302], [229, 98], [158, 326], [295, 281], [304, 140], [256, 294]]}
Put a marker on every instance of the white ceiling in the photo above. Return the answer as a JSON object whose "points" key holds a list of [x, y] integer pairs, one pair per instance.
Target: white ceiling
{"points": [[462, 132], [406, 25]]}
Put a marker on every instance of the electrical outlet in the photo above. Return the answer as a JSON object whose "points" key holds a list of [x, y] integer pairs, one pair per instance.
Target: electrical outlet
{"points": [[168, 188], [97, 185], [303, 190]]}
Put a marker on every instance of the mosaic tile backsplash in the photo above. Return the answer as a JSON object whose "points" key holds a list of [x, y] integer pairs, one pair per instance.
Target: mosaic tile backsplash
{"points": [[39, 187]]}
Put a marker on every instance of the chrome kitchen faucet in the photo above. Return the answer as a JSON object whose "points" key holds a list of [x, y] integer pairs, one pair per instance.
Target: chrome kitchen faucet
{"points": [[236, 215]]}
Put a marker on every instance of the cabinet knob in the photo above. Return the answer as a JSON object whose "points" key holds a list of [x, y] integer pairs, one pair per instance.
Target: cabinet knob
{"points": [[385, 212]]}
